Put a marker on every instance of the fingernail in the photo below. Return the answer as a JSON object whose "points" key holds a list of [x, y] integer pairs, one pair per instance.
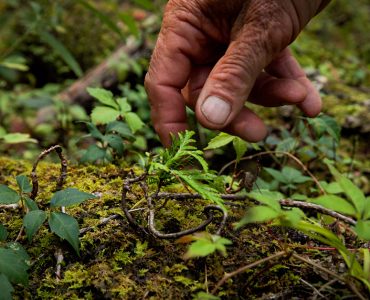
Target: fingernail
{"points": [[216, 110]]}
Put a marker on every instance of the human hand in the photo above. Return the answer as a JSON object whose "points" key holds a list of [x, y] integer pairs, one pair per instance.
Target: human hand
{"points": [[214, 55]]}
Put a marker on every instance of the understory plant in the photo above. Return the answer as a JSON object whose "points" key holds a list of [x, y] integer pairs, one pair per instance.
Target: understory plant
{"points": [[14, 260]]}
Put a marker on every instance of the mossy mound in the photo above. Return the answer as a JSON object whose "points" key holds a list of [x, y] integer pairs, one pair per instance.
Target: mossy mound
{"points": [[118, 262]]}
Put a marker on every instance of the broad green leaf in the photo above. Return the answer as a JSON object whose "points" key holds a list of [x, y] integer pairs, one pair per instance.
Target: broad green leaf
{"points": [[332, 188], [220, 243], [362, 228], [31, 205], [267, 197], [103, 96], [17, 138], [13, 266], [287, 145], [367, 209], [200, 248], [8, 195], [133, 121], [335, 203], [24, 184], [32, 222], [352, 191], [65, 227], [219, 141], [104, 115], [6, 288], [62, 51], [258, 214], [120, 128], [3, 233], [115, 142], [366, 264], [94, 131], [293, 175], [124, 106], [240, 147], [69, 197], [277, 175], [332, 127], [93, 154], [292, 217]]}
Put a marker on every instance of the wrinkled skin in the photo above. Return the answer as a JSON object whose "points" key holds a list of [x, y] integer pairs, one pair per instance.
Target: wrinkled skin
{"points": [[228, 52]]}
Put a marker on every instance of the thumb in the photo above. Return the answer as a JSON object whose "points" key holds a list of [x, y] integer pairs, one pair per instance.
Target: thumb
{"points": [[231, 80]]}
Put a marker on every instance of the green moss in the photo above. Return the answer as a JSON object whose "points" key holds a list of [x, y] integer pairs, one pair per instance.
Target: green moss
{"points": [[118, 263]]}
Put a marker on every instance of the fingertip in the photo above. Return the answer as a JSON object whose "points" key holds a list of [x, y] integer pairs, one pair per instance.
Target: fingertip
{"points": [[312, 104]]}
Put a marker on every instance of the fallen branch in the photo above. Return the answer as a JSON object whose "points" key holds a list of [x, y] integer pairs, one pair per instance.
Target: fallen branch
{"points": [[283, 202]]}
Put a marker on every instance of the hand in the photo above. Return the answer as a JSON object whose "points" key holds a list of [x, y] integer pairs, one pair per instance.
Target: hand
{"points": [[214, 55]]}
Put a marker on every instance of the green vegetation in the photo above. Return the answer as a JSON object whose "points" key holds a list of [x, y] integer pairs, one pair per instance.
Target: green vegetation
{"points": [[212, 217]]}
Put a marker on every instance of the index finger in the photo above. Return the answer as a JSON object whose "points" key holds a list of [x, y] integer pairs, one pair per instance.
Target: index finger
{"points": [[168, 73]]}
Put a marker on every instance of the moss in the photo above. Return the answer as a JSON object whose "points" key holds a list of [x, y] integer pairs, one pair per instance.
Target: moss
{"points": [[118, 263]]}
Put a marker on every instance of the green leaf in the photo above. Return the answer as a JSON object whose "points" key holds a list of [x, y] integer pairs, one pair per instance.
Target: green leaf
{"points": [[3, 233], [293, 175], [219, 141], [124, 106], [105, 19], [362, 228], [93, 154], [24, 184], [367, 209], [200, 248], [133, 121], [332, 127], [31, 205], [104, 115], [240, 147], [7, 195], [120, 128], [69, 197], [352, 191], [267, 197], [17, 138], [65, 227], [103, 96], [130, 22], [287, 145], [62, 51], [205, 296], [291, 217], [335, 203], [332, 188], [258, 214], [32, 222], [115, 142], [14, 266], [6, 288], [277, 175], [94, 131]]}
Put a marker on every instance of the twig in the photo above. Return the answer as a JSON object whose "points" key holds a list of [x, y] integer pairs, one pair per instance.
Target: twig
{"points": [[9, 206], [317, 292], [296, 159], [283, 202], [350, 284], [102, 222], [59, 256], [318, 208], [244, 268], [63, 170], [324, 286], [126, 187]]}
